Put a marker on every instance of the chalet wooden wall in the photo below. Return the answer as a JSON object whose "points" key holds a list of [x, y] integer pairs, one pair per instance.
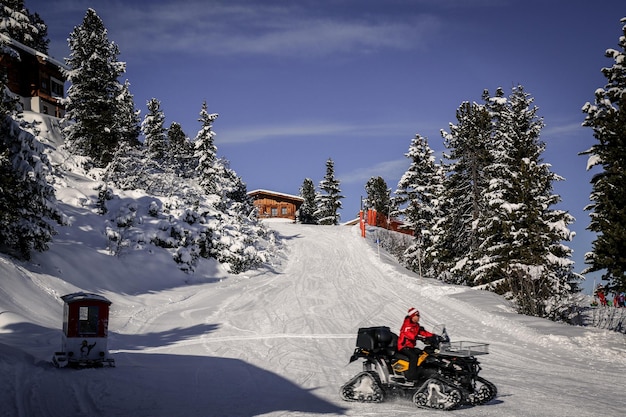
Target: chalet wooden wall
{"points": [[35, 78], [275, 205], [269, 207]]}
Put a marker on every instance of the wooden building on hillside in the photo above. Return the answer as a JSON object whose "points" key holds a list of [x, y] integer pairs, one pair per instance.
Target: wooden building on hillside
{"points": [[272, 204], [35, 77]]}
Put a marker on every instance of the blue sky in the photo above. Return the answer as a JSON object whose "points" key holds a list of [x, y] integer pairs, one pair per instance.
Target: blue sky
{"points": [[298, 82]]}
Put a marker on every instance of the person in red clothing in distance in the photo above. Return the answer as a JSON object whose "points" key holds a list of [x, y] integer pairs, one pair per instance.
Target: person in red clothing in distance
{"points": [[410, 333]]}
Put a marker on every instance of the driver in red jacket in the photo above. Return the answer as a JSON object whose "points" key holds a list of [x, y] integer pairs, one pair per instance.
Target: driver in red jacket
{"points": [[410, 332]]}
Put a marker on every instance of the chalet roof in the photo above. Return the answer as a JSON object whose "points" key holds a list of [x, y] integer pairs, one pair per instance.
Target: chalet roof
{"points": [[12, 42], [275, 193]]}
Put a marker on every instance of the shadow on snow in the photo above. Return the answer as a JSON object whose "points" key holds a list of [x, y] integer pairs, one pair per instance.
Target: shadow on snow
{"points": [[158, 339], [206, 386], [147, 384]]}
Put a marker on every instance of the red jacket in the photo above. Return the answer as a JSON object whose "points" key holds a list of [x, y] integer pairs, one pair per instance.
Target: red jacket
{"points": [[409, 333]]}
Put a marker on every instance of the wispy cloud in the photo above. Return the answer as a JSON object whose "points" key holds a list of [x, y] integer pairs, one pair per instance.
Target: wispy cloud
{"points": [[317, 37], [561, 130], [260, 133], [387, 169], [244, 27], [305, 130]]}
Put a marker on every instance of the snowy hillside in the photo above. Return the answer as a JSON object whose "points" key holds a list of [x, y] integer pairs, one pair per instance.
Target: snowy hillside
{"points": [[274, 341]]}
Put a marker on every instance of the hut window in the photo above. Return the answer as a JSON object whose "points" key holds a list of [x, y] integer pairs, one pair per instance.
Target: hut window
{"points": [[283, 211], [88, 320], [274, 211]]}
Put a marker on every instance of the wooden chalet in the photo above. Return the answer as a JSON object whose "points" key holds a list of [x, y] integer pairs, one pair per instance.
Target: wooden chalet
{"points": [[272, 204], [35, 77]]}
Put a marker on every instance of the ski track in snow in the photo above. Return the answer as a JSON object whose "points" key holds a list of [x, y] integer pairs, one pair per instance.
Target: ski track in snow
{"points": [[276, 342]]}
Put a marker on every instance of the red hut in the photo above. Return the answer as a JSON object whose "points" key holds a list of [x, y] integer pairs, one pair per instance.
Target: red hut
{"points": [[85, 330]]}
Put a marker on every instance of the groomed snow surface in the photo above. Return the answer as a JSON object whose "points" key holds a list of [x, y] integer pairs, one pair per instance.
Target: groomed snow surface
{"points": [[270, 342], [276, 341]]}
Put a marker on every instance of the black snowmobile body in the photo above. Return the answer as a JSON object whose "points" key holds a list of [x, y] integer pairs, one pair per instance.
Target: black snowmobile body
{"points": [[448, 373]]}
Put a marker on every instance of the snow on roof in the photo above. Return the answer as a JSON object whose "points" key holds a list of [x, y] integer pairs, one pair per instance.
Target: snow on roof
{"points": [[32, 51], [352, 222], [258, 191]]}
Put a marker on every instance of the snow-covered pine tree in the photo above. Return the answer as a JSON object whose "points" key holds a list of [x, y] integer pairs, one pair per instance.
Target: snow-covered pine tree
{"points": [[234, 191], [27, 200], [238, 230], [438, 267], [229, 234], [416, 201], [21, 25], [128, 169], [128, 121], [92, 99], [328, 201], [522, 251], [180, 151], [493, 229], [462, 204], [153, 128], [607, 118], [306, 212], [207, 170], [378, 195], [40, 37]]}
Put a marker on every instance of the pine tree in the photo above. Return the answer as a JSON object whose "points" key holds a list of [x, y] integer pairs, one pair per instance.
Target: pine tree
{"points": [[231, 228], [129, 169], [607, 118], [329, 199], [154, 131], [128, 120], [493, 229], [416, 199], [93, 97], [39, 35], [521, 241], [180, 151], [378, 195], [19, 24], [27, 200], [306, 212], [234, 191], [498, 225], [462, 203], [207, 170]]}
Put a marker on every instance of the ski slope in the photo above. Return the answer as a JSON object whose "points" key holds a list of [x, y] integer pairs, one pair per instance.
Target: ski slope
{"points": [[276, 341]]}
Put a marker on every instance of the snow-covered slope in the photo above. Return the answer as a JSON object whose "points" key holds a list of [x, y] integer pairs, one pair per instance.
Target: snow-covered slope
{"points": [[276, 341], [273, 341]]}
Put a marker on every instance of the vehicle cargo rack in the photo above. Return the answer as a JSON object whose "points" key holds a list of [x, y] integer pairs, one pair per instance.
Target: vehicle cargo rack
{"points": [[465, 348]]}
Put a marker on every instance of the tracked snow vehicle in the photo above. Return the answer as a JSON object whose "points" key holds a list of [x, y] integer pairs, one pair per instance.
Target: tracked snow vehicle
{"points": [[448, 373]]}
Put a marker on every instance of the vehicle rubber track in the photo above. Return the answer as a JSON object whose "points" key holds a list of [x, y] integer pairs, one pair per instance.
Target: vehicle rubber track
{"points": [[437, 394], [484, 392], [363, 387]]}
